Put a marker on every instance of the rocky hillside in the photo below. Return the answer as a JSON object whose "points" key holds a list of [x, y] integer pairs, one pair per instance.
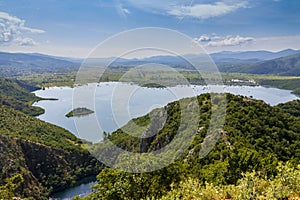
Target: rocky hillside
{"points": [[47, 157]]}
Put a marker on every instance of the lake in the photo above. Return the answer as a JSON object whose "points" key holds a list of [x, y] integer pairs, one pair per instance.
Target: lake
{"points": [[141, 101], [113, 111]]}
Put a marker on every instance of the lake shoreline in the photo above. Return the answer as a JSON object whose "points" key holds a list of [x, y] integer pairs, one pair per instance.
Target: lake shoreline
{"points": [[55, 110]]}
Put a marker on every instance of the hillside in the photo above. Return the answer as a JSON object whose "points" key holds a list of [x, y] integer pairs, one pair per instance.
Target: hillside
{"points": [[256, 137], [284, 66], [48, 157], [20, 64], [17, 94], [292, 107]]}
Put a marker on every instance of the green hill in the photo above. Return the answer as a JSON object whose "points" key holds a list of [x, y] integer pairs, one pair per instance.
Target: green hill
{"points": [[256, 137], [46, 157], [284, 66], [292, 107], [16, 94], [49, 157]]}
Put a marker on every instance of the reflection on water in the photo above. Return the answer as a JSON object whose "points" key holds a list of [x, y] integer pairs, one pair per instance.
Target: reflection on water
{"points": [[81, 189]]}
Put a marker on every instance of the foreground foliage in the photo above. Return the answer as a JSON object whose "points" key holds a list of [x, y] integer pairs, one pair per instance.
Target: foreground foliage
{"points": [[7, 191], [252, 185]]}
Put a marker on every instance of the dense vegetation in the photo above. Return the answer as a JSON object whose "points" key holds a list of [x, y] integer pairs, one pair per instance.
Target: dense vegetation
{"points": [[252, 185], [16, 94], [246, 163], [49, 157], [292, 107], [37, 158]]}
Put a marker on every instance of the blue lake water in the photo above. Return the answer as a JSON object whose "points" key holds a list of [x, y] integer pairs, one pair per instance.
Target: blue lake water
{"points": [[140, 101], [117, 103]]}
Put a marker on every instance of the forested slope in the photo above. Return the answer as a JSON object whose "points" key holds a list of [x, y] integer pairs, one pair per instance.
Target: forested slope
{"points": [[37, 158], [17, 94], [256, 137]]}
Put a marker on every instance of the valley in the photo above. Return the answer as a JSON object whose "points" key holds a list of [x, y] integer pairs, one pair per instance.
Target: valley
{"points": [[150, 100], [260, 135]]}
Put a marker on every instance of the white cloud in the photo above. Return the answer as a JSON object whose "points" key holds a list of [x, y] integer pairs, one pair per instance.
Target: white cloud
{"points": [[123, 12], [204, 11], [25, 42], [203, 38], [154, 5], [126, 11], [273, 43], [12, 30], [219, 41], [190, 8]]}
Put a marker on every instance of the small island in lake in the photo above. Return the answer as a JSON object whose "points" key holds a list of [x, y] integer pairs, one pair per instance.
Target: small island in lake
{"points": [[79, 112], [153, 85]]}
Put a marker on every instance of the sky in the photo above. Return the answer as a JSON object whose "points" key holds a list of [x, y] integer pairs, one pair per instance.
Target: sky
{"points": [[73, 28]]}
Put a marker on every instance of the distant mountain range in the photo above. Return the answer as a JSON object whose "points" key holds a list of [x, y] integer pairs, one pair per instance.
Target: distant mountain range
{"points": [[252, 55], [285, 66], [284, 62], [16, 64]]}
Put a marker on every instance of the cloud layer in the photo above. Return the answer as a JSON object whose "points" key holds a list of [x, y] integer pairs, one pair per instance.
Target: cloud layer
{"points": [[190, 8], [220, 41], [204, 11], [12, 30]]}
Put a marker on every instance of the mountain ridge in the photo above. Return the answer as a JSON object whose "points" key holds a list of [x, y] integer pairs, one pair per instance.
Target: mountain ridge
{"points": [[37, 62]]}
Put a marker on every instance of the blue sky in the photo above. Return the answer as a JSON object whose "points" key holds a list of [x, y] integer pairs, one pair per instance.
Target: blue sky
{"points": [[75, 27]]}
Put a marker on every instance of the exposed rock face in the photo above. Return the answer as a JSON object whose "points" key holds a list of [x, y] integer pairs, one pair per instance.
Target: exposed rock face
{"points": [[45, 169], [13, 161]]}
